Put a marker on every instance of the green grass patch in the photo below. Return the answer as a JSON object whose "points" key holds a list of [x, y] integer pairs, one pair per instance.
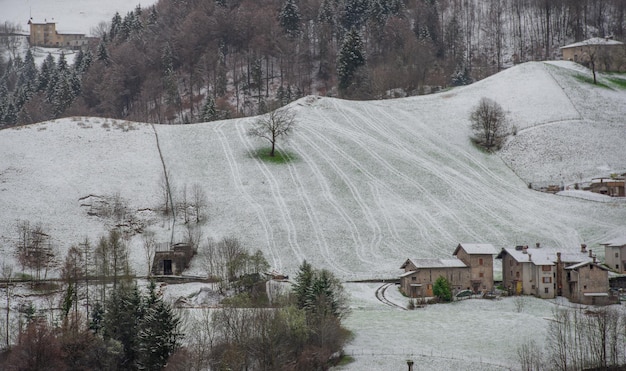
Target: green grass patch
{"points": [[345, 360], [589, 80], [621, 83], [280, 157]]}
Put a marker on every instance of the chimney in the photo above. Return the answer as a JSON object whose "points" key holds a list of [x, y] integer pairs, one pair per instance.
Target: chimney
{"points": [[594, 259], [537, 245], [410, 364], [530, 257], [558, 257], [525, 249], [590, 254], [583, 248]]}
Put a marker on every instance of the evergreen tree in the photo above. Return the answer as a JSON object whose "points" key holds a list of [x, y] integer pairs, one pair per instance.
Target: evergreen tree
{"points": [[102, 53], [86, 62], [442, 289], [153, 16], [10, 115], [122, 317], [304, 281], [208, 112], [78, 60], [137, 25], [158, 335], [48, 70], [320, 298], [290, 18], [28, 75], [4, 100], [351, 57], [62, 66], [116, 25], [354, 14], [97, 318], [326, 13]]}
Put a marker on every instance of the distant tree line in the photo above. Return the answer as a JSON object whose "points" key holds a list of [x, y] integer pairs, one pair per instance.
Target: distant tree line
{"points": [[190, 61]]}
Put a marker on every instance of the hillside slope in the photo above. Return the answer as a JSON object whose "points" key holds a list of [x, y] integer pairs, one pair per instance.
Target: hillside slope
{"points": [[368, 185]]}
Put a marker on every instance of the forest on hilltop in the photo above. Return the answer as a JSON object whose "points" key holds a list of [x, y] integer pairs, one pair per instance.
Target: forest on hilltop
{"points": [[185, 61]]}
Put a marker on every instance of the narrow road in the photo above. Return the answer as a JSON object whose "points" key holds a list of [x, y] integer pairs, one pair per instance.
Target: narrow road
{"points": [[380, 295]]}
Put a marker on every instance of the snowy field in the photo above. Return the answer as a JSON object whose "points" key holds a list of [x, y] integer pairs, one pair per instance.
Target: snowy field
{"points": [[369, 184]]}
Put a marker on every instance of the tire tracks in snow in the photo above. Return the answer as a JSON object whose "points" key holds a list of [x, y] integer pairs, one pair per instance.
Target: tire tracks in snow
{"points": [[236, 176], [279, 200], [380, 295]]}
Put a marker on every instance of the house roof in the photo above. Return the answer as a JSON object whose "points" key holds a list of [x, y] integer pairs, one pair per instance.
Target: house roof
{"points": [[435, 263], [476, 248], [593, 41], [544, 255], [616, 242], [582, 264]]}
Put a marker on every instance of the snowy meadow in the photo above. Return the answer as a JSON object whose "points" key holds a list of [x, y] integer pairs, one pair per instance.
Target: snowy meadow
{"points": [[366, 185]]}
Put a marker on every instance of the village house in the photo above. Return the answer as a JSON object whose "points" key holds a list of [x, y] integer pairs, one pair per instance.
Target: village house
{"points": [[45, 35], [606, 53], [611, 186], [472, 269], [615, 254], [548, 273]]}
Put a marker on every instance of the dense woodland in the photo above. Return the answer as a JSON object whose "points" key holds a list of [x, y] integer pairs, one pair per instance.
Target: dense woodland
{"points": [[184, 61]]}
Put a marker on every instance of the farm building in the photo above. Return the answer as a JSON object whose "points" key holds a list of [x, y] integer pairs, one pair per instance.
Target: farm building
{"points": [[472, 269], [607, 54]]}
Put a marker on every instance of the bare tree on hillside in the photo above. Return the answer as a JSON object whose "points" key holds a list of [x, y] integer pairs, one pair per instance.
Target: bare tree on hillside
{"points": [[489, 123], [276, 124], [199, 200], [149, 248]]}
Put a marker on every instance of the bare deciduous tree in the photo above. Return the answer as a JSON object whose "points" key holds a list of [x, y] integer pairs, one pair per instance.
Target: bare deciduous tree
{"points": [[199, 200], [489, 123], [274, 125], [149, 248]]}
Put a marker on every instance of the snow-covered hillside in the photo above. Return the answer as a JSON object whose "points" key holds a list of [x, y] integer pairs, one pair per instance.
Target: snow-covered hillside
{"points": [[368, 185]]}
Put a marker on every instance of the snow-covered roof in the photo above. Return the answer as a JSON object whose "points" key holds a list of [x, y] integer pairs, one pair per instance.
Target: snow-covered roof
{"points": [[477, 248], [582, 264], [545, 255], [593, 41], [616, 242], [438, 263]]}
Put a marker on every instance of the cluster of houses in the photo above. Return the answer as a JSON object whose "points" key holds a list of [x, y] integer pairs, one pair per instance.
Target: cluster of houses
{"points": [[539, 271]]}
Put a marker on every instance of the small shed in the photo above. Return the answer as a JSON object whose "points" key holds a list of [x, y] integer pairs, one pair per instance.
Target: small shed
{"points": [[172, 259]]}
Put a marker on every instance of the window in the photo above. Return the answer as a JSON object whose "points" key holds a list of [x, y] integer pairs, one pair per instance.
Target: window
{"points": [[517, 274], [480, 261], [546, 268], [413, 278], [547, 280], [617, 266], [546, 290], [617, 255], [480, 274]]}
